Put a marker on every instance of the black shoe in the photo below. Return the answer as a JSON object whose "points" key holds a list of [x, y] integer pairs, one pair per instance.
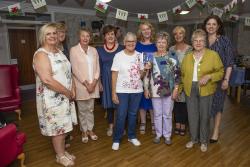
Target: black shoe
{"points": [[213, 141]]}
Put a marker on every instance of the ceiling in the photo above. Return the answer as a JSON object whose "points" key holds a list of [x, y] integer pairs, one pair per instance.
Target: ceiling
{"points": [[135, 6], [144, 6]]}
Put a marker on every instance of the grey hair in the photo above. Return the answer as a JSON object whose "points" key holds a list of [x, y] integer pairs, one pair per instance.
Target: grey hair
{"points": [[129, 34], [199, 33], [163, 35]]}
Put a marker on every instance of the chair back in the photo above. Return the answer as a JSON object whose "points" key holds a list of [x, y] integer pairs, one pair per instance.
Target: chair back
{"points": [[8, 80]]}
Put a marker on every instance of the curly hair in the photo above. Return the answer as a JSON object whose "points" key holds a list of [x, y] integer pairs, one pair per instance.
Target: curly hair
{"points": [[220, 30]]}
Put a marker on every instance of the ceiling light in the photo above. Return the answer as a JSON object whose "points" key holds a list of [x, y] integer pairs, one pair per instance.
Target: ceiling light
{"points": [[105, 1], [184, 12]]}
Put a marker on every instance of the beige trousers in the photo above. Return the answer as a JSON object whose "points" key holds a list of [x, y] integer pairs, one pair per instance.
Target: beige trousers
{"points": [[86, 114]]}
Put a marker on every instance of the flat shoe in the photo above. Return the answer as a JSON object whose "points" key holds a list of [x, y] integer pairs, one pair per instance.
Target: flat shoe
{"points": [[85, 139], [93, 137], [70, 156], [157, 140], [203, 147], [213, 141], [177, 131], [64, 160], [182, 132]]}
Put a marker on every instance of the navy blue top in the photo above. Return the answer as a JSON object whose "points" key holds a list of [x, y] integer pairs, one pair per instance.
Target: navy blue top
{"points": [[106, 61], [145, 48], [224, 48]]}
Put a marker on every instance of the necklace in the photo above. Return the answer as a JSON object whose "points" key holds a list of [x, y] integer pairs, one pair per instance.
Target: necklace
{"points": [[106, 46]]}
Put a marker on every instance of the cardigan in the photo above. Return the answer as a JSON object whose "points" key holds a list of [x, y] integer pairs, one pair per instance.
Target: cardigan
{"points": [[210, 64], [80, 69]]}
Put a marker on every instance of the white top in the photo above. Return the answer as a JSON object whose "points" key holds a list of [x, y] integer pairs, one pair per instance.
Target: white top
{"points": [[89, 59], [196, 69], [128, 68]]}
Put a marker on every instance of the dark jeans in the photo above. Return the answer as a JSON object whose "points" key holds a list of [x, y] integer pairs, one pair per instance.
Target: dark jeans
{"points": [[128, 106]]}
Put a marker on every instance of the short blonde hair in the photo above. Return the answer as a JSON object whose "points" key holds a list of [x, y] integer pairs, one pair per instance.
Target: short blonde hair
{"points": [[180, 28], [199, 33], [42, 32], [129, 34], [61, 26], [163, 35], [139, 33]]}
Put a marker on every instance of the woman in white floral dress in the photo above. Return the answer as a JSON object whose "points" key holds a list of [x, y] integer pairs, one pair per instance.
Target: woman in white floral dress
{"points": [[55, 92]]}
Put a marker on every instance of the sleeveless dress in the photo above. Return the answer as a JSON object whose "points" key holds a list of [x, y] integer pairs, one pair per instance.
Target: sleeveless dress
{"points": [[56, 114], [106, 61]]}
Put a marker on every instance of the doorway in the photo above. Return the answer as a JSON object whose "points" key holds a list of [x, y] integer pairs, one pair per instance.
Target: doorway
{"points": [[23, 44]]}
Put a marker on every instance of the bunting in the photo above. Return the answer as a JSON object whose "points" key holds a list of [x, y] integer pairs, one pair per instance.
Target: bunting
{"points": [[234, 17], [190, 3], [162, 16], [142, 16], [247, 21], [38, 3], [217, 11], [177, 9], [121, 14], [15, 9], [101, 6]]}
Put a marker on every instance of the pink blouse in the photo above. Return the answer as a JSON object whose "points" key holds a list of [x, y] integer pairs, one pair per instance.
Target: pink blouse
{"points": [[85, 66]]}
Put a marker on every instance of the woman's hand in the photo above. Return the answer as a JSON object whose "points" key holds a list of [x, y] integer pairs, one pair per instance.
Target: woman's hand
{"points": [[69, 95], [73, 92], [115, 98], [147, 66], [100, 87], [203, 81], [224, 85], [146, 94]]}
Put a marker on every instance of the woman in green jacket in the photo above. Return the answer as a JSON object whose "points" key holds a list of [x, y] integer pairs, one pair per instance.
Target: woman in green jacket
{"points": [[201, 70]]}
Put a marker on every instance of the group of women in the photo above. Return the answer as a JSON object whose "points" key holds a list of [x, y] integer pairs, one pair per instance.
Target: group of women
{"points": [[144, 75]]}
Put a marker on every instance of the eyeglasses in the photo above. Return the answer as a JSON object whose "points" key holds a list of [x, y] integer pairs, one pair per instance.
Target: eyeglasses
{"points": [[198, 41], [130, 41]]}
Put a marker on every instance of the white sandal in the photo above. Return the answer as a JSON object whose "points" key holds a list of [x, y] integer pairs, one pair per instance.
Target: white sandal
{"points": [[65, 161], [70, 156]]}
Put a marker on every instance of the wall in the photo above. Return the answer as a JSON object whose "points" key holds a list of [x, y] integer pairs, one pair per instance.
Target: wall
{"points": [[4, 45], [243, 40]]}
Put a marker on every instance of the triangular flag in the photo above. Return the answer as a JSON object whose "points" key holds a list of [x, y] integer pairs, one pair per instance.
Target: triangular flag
{"points": [[162, 16], [247, 21], [38, 3], [15, 9], [233, 3], [201, 2], [234, 17], [190, 3], [101, 6], [226, 8], [177, 9], [121, 14], [142, 16], [217, 11]]}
